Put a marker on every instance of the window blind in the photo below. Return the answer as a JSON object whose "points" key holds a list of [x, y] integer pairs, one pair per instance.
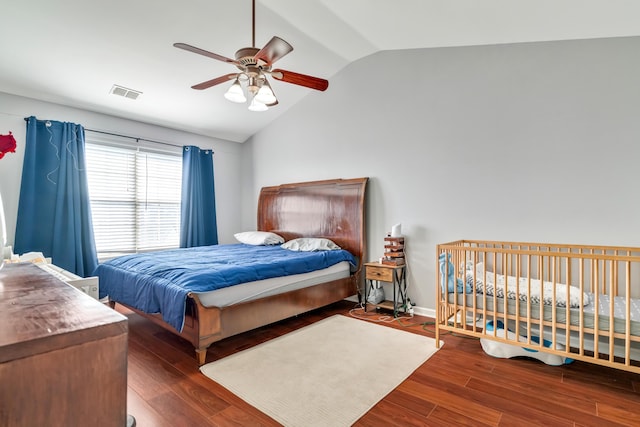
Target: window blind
{"points": [[135, 199]]}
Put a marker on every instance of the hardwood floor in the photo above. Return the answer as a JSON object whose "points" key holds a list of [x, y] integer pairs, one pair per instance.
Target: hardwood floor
{"points": [[459, 385]]}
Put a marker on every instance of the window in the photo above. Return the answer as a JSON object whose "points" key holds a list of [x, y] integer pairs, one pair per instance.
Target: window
{"points": [[135, 198]]}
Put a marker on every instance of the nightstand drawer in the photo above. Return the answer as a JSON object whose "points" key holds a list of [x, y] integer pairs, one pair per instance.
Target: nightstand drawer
{"points": [[379, 273]]}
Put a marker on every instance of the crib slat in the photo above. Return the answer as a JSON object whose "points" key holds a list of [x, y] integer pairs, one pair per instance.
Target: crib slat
{"points": [[596, 315], [554, 307], [581, 327], [567, 335], [627, 323], [612, 296]]}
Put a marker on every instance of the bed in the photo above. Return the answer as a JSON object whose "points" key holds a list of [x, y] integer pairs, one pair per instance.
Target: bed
{"points": [[329, 209], [577, 302]]}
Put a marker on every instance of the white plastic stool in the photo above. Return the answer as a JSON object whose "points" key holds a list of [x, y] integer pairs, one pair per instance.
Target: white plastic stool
{"points": [[507, 351]]}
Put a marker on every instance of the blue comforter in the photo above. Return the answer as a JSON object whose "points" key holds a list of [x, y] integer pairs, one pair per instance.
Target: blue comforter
{"points": [[159, 282]]}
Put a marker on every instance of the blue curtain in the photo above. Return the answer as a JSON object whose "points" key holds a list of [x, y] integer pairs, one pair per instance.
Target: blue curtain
{"points": [[198, 225], [54, 215]]}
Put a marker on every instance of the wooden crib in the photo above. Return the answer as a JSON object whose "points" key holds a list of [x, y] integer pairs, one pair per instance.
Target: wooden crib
{"points": [[551, 298]]}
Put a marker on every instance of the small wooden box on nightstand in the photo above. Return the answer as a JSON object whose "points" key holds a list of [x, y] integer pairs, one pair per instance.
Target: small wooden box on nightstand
{"points": [[393, 251]]}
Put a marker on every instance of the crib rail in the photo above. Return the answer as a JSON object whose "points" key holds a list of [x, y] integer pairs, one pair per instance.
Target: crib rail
{"points": [[574, 301]]}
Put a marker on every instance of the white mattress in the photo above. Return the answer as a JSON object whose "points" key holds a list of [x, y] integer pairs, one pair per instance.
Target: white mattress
{"points": [[263, 288], [619, 307]]}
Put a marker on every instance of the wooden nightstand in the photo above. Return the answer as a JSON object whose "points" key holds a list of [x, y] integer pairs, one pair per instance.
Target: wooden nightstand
{"points": [[396, 275]]}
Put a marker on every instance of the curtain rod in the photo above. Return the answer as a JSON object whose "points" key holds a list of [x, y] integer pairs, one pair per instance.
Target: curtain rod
{"points": [[133, 137], [126, 136]]}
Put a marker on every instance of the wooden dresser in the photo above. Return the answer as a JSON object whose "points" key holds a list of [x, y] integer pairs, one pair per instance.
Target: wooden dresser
{"points": [[63, 355]]}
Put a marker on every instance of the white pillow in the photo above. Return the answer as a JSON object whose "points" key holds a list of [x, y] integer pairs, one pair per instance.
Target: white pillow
{"points": [[309, 244], [259, 238]]}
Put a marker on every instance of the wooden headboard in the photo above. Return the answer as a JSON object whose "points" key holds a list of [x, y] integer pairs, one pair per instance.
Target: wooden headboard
{"points": [[334, 209]]}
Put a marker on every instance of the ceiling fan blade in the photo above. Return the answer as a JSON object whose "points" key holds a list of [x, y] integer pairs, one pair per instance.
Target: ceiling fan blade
{"points": [[300, 79], [204, 52], [274, 50], [213, 82]]}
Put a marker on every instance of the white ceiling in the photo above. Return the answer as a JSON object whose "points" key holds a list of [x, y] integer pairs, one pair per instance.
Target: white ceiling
{"points": [[71, 52]]}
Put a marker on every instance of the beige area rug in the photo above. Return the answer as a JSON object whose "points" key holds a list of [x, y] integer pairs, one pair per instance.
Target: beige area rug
{"points": [[326, 374]]}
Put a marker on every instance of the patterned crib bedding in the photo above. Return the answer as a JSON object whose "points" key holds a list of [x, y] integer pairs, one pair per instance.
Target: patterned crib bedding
{"points": [[524, 289]]}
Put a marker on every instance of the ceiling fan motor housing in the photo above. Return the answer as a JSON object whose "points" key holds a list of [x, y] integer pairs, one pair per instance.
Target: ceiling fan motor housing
{"points": [[248, 64], [246, 57]]}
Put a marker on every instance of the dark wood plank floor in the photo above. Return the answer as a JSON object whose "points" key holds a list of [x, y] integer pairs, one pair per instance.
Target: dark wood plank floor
{"points": [[459, 385]]}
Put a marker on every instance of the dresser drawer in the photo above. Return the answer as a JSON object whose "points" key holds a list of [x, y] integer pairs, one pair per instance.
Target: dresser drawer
{"points": [[379, 273]]}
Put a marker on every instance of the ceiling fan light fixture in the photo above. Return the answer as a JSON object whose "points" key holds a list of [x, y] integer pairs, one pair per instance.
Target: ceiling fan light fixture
{"points": [[235, 93], [265, 95], [257, 105]]}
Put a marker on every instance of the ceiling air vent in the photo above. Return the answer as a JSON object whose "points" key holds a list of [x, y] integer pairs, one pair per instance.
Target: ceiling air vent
{"points": [[123, 91]]}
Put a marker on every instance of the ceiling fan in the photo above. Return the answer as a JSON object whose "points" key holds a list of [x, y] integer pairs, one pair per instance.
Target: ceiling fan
{"points": [[254, 65]]}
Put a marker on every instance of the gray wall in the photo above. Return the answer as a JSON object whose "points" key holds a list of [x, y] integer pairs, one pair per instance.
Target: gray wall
{"points": [[524, 142], [228, 161]]}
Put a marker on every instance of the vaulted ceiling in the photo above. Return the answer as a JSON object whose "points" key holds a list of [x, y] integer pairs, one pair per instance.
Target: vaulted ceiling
{"points": [[72, 52]]}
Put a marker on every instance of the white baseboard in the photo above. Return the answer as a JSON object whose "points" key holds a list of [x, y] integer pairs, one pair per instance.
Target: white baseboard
{"points": [[353, 298], [427, 312]]}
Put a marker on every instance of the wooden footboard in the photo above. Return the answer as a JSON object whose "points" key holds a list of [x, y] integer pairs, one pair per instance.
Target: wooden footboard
{"points": [[555, 299], [211, 324]]}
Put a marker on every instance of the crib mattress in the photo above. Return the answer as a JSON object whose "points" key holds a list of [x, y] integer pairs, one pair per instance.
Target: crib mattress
{"points": [[561, 313], [263, 288]]}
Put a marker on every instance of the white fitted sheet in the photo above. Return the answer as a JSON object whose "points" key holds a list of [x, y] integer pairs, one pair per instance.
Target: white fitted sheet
{"points": [[262, 288]]}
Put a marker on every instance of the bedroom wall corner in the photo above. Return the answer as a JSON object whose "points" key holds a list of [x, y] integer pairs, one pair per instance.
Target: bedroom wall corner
{"points": [[249, 188]]}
